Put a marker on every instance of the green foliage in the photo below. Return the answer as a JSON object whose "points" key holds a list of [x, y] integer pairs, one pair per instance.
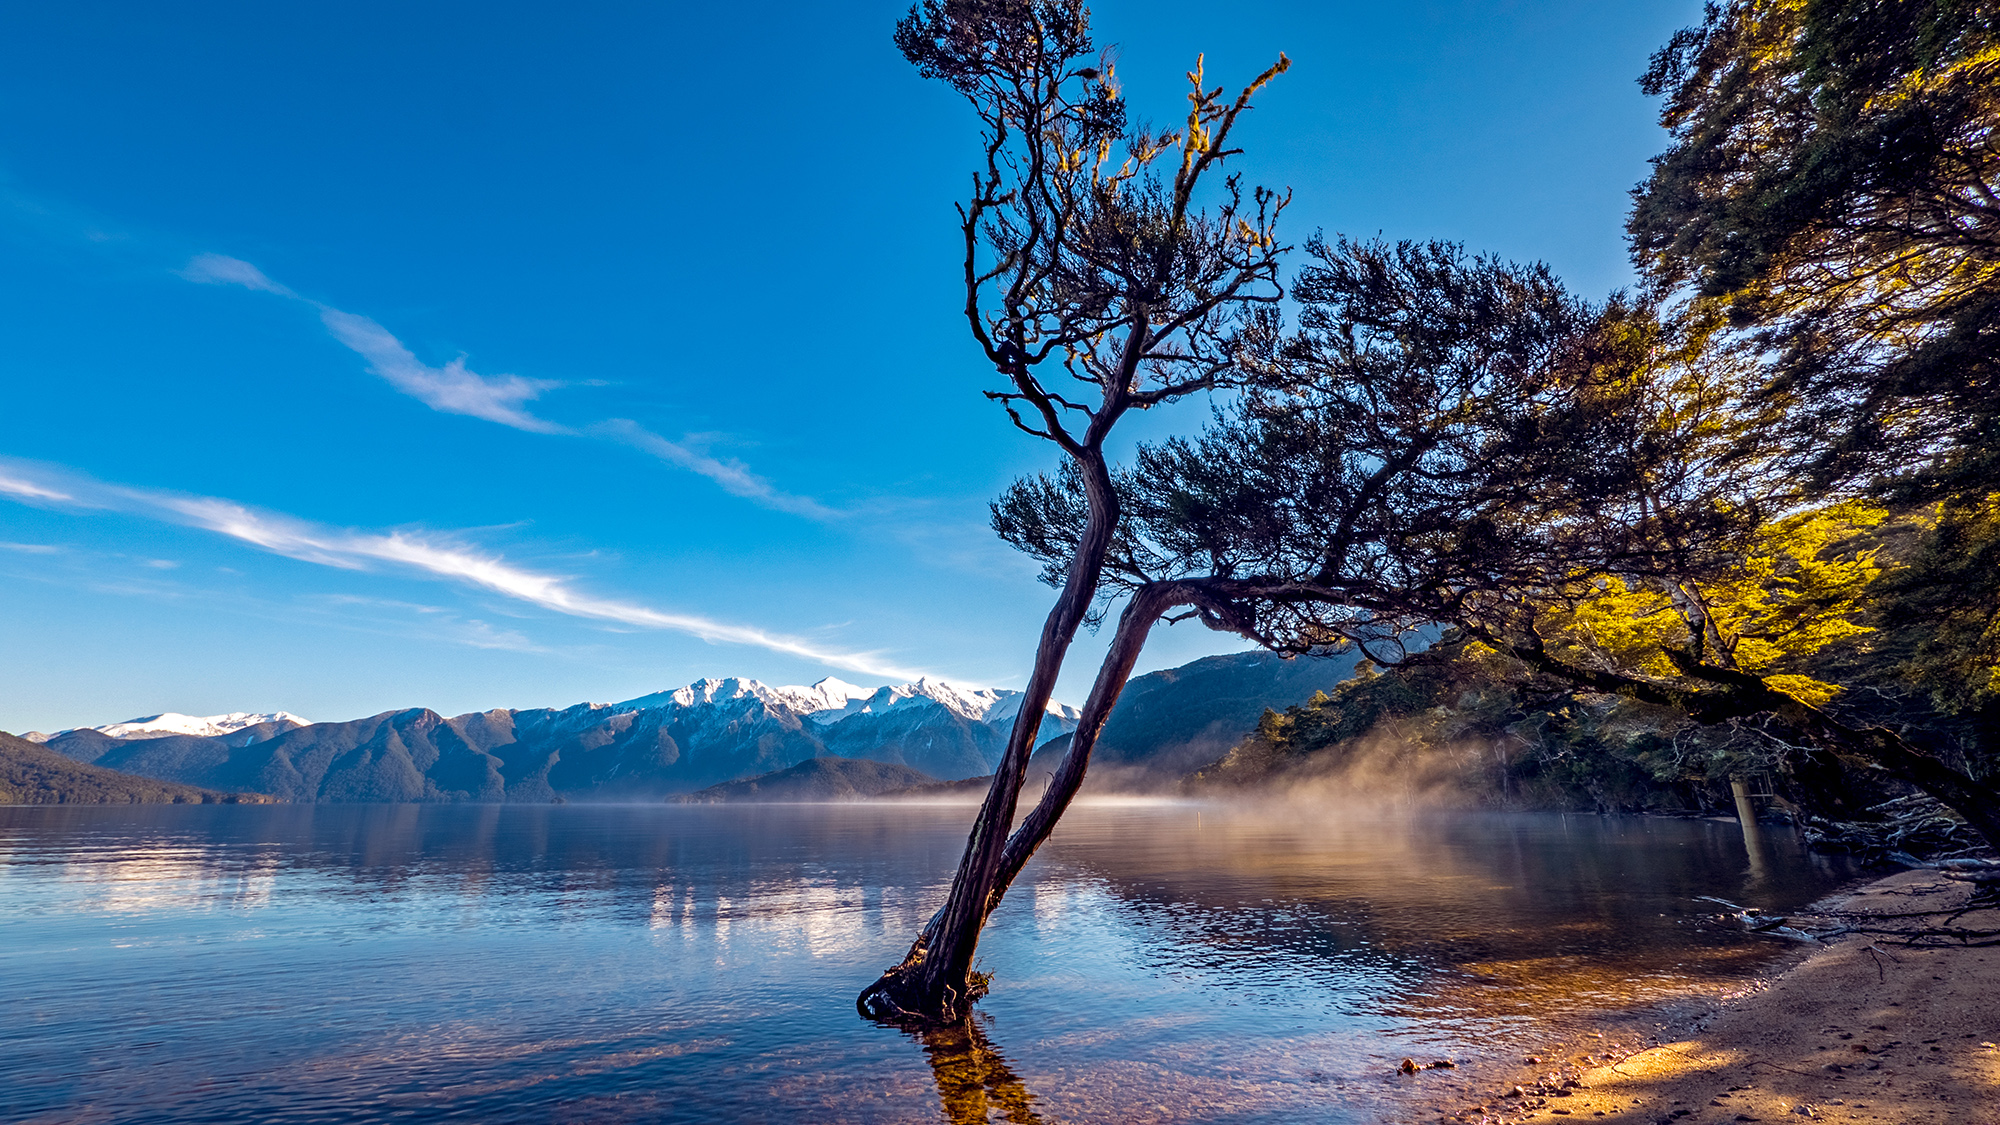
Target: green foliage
{"points": [[1461, 727], [1948, 597], [1833, 184], [1455, 727]]}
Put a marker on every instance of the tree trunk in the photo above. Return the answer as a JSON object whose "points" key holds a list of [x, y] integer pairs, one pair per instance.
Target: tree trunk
{"points": [[935, 984], [1975, 800], [1148, 604]]}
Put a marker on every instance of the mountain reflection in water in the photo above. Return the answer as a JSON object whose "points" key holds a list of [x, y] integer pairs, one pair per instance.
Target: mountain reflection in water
{"points": [[698, 963]]}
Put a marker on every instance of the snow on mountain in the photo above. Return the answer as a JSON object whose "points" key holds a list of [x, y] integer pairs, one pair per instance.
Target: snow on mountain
{"points": [[1004, 710], [207, 726], [826, 695], [830, 700]]}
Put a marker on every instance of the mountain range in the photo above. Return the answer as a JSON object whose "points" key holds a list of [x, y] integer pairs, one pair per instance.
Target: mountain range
{"points": [[35, 775], [708, 733]]}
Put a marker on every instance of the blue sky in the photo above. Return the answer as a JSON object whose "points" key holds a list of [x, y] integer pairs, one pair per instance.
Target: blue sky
{"points": [[483, 355]]}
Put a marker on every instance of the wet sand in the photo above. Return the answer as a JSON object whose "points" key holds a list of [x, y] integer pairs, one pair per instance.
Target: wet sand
{"points": [[1859, 1029]]}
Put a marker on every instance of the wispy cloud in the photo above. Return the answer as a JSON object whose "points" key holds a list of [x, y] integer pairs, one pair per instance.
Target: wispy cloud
{"points": [[734, 476], [31, 548], [29, 490], [220, 269], [436, 554], [80, 570], [451, 389], [457, 389]]}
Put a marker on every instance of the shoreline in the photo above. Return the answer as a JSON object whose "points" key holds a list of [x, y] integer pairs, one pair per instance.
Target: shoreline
{"points": [[1855, 1029]]}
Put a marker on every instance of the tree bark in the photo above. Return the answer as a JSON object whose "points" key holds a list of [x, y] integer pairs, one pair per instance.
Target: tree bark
{"points": [[935, 984], [1149, 603]]}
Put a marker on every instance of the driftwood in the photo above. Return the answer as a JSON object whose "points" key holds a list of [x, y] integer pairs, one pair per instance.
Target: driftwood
{"points": [[1913, 928], [1985, 872], [1755, 921], [1902, 830]]}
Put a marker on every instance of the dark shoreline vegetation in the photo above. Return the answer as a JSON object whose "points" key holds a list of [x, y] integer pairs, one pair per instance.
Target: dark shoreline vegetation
{"points": [[35, 775], [1452, 727]]}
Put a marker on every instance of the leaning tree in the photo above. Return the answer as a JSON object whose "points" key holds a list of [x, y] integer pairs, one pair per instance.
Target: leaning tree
{"points": [[1423, 416], [1460, 444], [1106, 270]]}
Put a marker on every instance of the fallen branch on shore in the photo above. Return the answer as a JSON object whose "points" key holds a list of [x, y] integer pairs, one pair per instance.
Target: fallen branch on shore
{"points": [[1900, 830], [1755, 921], [1918, 931]]}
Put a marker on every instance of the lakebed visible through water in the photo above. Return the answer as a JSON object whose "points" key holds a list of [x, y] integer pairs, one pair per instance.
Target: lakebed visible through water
{"points": [[1157, 962]]}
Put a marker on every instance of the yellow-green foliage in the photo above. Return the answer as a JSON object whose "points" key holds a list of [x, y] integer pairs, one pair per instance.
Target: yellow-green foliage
{"points": [[1796, 588]]}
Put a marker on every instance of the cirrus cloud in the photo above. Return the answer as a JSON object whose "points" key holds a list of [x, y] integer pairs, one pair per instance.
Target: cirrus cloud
{"points": [[457, 389], [438, 555]]}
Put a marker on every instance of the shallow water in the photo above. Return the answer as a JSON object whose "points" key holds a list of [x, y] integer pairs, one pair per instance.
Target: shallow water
{"points": [[698, 963]]}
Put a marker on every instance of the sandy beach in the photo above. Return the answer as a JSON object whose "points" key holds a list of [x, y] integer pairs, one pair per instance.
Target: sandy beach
{"points": [[1860, 1028]]}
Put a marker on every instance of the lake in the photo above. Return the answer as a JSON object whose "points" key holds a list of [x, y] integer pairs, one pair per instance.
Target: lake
{"points": [[1157, 962]]}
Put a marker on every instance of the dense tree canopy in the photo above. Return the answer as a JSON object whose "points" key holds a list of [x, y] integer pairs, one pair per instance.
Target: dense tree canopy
{"points": [[1834, 184], [1442, 432]]}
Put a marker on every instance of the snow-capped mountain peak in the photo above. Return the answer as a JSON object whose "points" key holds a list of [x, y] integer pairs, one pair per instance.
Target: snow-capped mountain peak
{"points": [[709, 690], [834, 688], [206, 726], [827, 694], [831, 700]]}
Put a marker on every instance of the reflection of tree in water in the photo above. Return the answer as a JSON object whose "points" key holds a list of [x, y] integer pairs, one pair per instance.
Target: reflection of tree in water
{"points": [[973, 1079]]}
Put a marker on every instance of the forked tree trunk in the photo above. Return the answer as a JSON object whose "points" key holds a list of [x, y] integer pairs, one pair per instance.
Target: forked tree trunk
{"points": [[1148, 605], [934, 984]]}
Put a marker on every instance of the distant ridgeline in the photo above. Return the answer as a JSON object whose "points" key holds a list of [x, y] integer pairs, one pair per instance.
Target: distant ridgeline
{"points": [[710, 733], [1451, 728], [35, 775]]}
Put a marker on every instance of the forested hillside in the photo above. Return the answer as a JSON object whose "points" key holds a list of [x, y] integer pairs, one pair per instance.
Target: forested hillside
{"points": [[35, 775]]}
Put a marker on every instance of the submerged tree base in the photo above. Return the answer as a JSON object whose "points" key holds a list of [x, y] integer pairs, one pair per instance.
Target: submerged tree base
{"points": [[903, 996]]}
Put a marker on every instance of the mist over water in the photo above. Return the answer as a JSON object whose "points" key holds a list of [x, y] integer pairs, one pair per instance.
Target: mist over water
{"points": [[1157, 962]]}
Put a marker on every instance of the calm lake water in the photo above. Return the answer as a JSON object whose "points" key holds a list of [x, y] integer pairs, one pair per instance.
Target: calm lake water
{"points": [[666, 963]]}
